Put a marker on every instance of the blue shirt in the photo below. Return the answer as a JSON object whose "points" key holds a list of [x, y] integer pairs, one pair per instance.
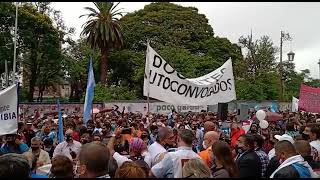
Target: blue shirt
{"points": [[22, 148], [33, 175]]}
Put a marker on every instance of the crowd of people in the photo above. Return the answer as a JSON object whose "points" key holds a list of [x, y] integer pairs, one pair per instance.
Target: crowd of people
{"points": [[194, 145]]}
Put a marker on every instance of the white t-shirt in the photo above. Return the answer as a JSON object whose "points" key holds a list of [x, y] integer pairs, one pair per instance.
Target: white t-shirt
{"points": [[155, 149], [173, 162]]}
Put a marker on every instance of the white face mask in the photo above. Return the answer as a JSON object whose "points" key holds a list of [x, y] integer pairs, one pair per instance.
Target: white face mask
{"points": [[204, 145]]}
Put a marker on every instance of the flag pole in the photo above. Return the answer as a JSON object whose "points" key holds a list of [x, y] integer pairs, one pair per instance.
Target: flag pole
{"points": [[15, 45], [92, 112], [148, 98]]}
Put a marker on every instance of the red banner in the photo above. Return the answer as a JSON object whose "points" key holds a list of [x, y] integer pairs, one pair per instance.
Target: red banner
{"points": [[309, 99]]}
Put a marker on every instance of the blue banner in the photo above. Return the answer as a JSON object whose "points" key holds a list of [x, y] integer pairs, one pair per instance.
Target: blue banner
{"points": [[60, 129]]}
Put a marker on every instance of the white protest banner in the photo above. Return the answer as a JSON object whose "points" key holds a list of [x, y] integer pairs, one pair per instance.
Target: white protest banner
{"points": [[8, 110], [295, 104], [164, 83]]}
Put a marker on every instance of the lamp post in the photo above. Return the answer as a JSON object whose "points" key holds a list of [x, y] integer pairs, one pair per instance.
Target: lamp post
{"points": [[15, 45], [283, 37], [319, 68], [291, 56]]}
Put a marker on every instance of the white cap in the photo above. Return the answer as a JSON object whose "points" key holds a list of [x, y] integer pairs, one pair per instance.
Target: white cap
{"points": [[284, 137]]}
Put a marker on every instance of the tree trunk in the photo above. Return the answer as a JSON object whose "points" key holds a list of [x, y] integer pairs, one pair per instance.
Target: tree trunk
{"points": [[32, 83], [71, 98], [42, 88], [103, 66], [33, 77], [39, 94]]}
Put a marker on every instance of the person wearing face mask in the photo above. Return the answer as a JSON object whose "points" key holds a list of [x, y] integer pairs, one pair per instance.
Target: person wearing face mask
{"points": [[113, 125], [29, 132], [42, 157], [199, 135], [69, 147], [292, 164], [172, 163], [258, 143], [85, 138], [137, 151], [248, 162], [253, 129], [165, 138], [90, 129], [13, 145], [209, 138], [170, 118], [153, 134], [106, 131], [48, 147]]}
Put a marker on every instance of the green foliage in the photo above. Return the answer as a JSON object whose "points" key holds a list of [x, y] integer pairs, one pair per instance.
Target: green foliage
{"points": [[23, 94], [181, 35], [6, 37], [40, 42], [103, 93], [165, 24], [263, 87], [75, 63], [103, 31], [257, 77]]}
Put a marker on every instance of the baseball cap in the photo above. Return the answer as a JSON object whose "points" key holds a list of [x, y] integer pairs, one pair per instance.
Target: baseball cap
{"points": [[284, 137]]}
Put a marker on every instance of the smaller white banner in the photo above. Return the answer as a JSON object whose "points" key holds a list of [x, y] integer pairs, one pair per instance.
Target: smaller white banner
{"points": [[295, 104], [9, 110], [156, 107]]}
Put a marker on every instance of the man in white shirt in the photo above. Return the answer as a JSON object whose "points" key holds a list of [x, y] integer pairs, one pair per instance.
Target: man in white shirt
{"points": [[172, 163], [165, 137], [69, 147], [42, 156]]}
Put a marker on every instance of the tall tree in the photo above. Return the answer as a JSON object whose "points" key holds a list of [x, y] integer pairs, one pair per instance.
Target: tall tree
{"points": [[75, 63], [181, 35], [103, 31], [39, 40], [257, 74]]}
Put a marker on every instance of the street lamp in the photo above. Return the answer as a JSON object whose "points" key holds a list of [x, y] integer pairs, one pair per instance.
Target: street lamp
{"points": [[283, 37], [319, 68], [291, 56]]}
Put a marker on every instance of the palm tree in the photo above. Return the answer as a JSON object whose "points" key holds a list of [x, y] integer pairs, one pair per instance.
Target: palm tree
{"points": [[103, 31]]}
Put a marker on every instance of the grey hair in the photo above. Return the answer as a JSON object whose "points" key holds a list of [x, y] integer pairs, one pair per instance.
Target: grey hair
{"points": [[14, 165], [35, 139]]}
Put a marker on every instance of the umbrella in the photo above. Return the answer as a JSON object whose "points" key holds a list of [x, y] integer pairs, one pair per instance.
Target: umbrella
{"points": [[272, 116]]}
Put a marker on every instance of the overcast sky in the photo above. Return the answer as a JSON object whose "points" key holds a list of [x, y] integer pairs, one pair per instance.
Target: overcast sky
{"points": [[234, 19]]}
